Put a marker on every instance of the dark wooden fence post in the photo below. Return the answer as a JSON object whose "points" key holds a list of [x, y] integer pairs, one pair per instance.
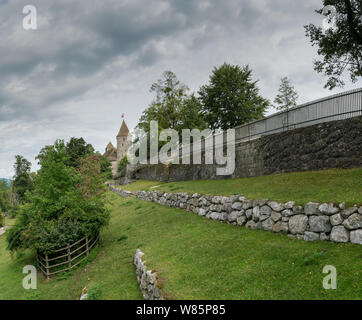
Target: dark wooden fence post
{"points": [[47, 265], [87, 245], [69, 258]]}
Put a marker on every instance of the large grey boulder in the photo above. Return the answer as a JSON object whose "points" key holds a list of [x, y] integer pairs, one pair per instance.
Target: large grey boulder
{"points": [[281, 227], [237, 206], [256, 214], [251, 224], [289, 204], [298, 224], [356, 236], [247, 204], [234, 215], [347, 212], [339, 234], [311, 208], [328, 209], [265, 210], [276, 216], [249, 213], [267, 224], [336, 219], [319, 224], [276, 206], [353, 222], [241, 220], [310, 236]]}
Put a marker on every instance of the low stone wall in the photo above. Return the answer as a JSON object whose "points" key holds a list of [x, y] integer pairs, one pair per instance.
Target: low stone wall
{"points": [[123, 193], [311, 222], [147, 280]]}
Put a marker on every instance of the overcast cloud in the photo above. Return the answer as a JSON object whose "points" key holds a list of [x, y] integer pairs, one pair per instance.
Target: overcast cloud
{"points": [[90, 61]]}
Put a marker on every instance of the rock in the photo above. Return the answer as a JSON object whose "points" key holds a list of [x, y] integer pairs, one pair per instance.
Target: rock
{"points": [[298, 210], [281, 227], [195, 195], [247, 204], [249, 213], [353, 222], [225, 200], [237, 206], [256, 214], [202, 212], [276, 206], [360, 210], [298, 224], [324, 237], [276, 216], [227, 206], [311, 208], [289, 205], [285, 219], [319, 224], [336, 219], [233, 216], [339, 234], [216, 200], [260, 202], [196, 210], [356, 236], [328, 209], [310, 236], [288, 213], [265, 210], [251, 224], [267, 224], [241, 220], [347, 212], [263, 217], [342, 205]]}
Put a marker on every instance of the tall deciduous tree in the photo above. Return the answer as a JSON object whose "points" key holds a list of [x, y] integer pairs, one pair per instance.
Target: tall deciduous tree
{"points": [[22, 179], [340, 47], [287, 96], [231, 98]]}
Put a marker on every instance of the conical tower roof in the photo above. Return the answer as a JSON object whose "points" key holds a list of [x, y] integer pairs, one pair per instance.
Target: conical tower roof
{"points": [[123, 132]]}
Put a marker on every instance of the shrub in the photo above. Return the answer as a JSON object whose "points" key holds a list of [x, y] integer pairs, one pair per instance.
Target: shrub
{"points": [[65, 205], [123, 163]]}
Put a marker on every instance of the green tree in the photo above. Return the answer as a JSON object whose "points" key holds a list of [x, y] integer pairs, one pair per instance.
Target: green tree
{"points": [[340, 47], [66, 203], [77, 148], [171, 106], [22, 178], [287, 96], [106, 166], [231, 98]]}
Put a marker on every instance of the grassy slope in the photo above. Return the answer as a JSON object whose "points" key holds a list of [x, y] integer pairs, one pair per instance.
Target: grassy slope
{"points": [[335, 185], [198, 259]]}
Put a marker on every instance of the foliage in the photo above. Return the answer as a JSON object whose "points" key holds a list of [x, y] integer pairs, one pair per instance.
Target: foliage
{"points": [[4, 196], [106, 167], [339, 47], [123, 163], [76, 149], [231, 98], [22, 179], [65, 204], [172, 108], [287, 96]]}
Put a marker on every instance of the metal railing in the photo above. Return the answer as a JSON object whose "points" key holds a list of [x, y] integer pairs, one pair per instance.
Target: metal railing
{"points": [[335, 107]]}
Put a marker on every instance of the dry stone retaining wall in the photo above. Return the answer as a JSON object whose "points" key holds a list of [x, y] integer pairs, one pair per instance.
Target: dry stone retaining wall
{"points": [[311, 222], [147, 280]]}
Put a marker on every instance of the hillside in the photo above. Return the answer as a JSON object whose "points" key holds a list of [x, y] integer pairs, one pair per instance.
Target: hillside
{"points": [[196, 258]]}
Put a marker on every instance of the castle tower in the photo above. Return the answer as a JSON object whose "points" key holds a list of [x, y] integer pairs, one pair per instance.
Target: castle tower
{"points": [[122, 141]]}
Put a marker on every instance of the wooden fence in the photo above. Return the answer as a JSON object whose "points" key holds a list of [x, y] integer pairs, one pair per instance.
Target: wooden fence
{"points": [[69, 256]]}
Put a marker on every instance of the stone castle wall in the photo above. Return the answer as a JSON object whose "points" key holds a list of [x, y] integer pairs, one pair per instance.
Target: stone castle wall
{"points": [[335, 144]]}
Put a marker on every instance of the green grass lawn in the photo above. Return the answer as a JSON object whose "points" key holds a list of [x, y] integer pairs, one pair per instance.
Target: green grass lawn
{"points": [[197, 259], [335, 185]]}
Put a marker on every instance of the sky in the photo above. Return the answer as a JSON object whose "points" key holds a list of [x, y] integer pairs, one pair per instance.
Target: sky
{"points": [[90, 61]]}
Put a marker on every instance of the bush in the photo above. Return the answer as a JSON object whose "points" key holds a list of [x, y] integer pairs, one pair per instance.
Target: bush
{"points": [[65, 205], [123, 163]]}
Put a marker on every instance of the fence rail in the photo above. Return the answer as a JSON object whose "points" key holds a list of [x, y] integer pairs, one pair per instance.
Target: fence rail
{"points": [[66, 256]]}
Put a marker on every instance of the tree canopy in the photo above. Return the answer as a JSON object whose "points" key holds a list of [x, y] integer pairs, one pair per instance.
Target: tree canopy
{"points": [[287, 96], [340, 47], [231, 98]]}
